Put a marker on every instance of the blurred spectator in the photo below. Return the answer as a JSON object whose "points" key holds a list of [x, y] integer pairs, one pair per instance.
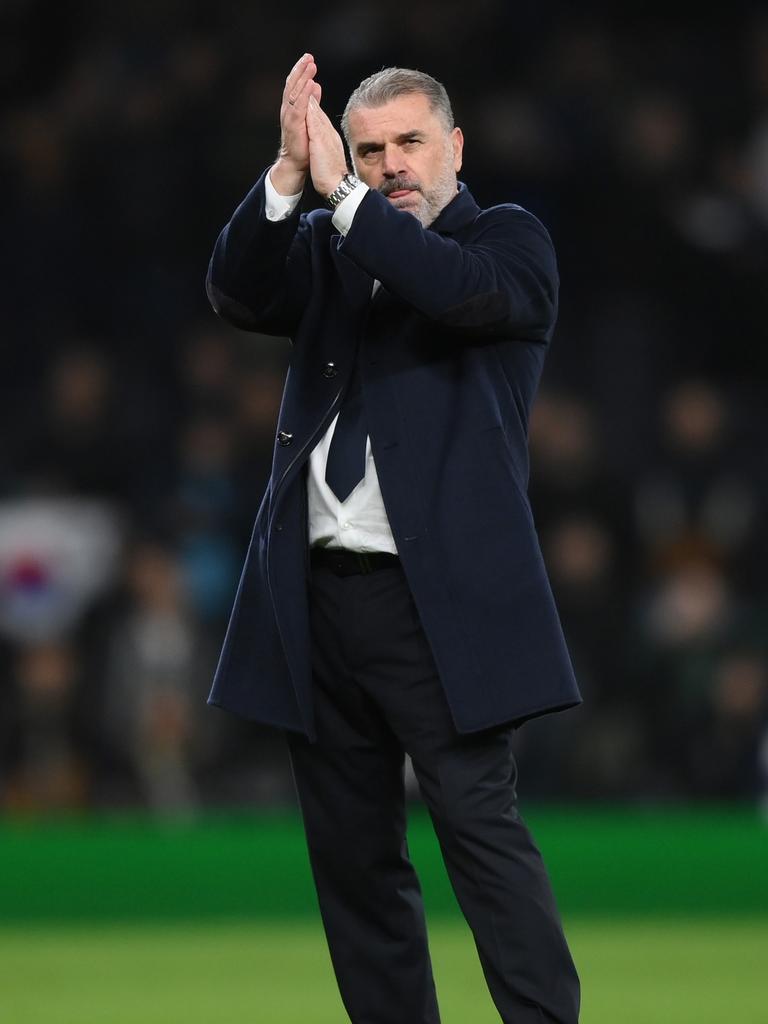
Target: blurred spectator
{"points": [[568, 468], [156, 675], [69, 438], [605, 754], [581, 555], [47, 772], [725, 735], [697, 688], [208, 370], [656, 138], [204, 509], [699, 496]]}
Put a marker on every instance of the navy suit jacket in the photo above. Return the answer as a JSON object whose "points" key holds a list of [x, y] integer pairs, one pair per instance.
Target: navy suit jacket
{"points": [[451, 352]]}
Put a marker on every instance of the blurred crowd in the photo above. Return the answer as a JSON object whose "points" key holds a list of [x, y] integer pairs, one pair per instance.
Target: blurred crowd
{"points": [[137, 430]]}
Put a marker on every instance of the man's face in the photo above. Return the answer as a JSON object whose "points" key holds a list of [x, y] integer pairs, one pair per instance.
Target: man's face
{"points": [[404, 150]]}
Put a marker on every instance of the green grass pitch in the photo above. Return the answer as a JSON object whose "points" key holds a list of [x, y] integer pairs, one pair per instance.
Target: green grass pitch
{"points": [[126, 920], [633, 972]]}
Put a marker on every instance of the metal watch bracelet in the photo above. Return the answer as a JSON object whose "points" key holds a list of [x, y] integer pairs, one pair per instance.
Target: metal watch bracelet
{"points": [[347, 185]]}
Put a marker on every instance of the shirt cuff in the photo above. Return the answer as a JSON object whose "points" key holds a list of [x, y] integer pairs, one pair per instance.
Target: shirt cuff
{"points": [[278, 207], [345, 211]]}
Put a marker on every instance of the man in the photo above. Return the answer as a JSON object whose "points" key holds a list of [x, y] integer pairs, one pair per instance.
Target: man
{"points": [[394, 598]]}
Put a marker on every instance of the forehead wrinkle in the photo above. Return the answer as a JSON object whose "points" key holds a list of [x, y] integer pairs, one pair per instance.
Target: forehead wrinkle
{"points": [[390, 117], [402, 137]]}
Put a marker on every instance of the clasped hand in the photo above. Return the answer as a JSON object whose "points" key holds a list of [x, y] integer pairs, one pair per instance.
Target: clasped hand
{"points": [[308, 141]]}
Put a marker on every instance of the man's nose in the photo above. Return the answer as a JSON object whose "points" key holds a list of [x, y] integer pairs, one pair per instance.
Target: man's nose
{"points": [[392, 162]]}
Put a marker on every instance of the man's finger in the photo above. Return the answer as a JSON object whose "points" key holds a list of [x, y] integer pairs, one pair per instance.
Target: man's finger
{"points": [[295, 82], [319, 125], [322, 119], [302, 94], [297, 69], [293, 75], [292, 96]]}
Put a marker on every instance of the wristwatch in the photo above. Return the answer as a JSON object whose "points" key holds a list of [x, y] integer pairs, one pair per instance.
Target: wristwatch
{"points": [[347, 185]]}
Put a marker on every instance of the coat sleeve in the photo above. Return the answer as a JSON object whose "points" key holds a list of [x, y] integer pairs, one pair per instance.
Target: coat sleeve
{"points": [[259, 276], [503, 281]]}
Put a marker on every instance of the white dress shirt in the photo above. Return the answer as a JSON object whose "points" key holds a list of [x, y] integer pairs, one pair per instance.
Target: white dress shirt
{"points": [[360, 523]]}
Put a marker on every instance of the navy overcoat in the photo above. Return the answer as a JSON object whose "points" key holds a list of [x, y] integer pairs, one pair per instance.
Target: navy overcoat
{"points": [[451, 352]]}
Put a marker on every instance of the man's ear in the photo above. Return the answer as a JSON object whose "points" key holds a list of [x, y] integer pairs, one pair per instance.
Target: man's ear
{"points": [[457, 139]]}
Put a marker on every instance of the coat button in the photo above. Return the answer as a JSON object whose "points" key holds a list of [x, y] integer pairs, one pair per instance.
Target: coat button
{"points": [[284, 437], [329, 370]]}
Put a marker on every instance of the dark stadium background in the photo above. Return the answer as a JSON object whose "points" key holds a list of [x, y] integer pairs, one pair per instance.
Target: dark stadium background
{"points": [[136, 430]]}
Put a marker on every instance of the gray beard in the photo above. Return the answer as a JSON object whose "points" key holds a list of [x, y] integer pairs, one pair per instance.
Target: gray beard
{"points": [[435, 201], [432, 203]]}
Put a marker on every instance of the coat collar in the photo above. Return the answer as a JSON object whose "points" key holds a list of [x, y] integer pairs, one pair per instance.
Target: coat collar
{"points": [[461, 211]]}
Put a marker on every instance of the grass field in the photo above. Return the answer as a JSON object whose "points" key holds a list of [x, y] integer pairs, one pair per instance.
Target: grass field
{"points": [[640, 972], [133, 921]]}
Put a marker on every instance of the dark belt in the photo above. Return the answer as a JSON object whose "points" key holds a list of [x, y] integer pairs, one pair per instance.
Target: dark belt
{"points": [[348, 563]]}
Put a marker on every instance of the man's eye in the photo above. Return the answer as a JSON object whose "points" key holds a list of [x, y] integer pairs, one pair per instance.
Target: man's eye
{"points": [[410, 143]]}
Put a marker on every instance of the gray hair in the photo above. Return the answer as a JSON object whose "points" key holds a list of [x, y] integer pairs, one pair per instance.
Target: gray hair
{"points": [[389, 83]]}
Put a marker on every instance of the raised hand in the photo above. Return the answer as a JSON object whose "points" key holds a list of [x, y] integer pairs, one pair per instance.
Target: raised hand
{"points": [[289, 172], [327, 160]]}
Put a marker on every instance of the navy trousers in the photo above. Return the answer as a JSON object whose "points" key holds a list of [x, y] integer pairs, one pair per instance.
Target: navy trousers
{"points": [[377, 697]]}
